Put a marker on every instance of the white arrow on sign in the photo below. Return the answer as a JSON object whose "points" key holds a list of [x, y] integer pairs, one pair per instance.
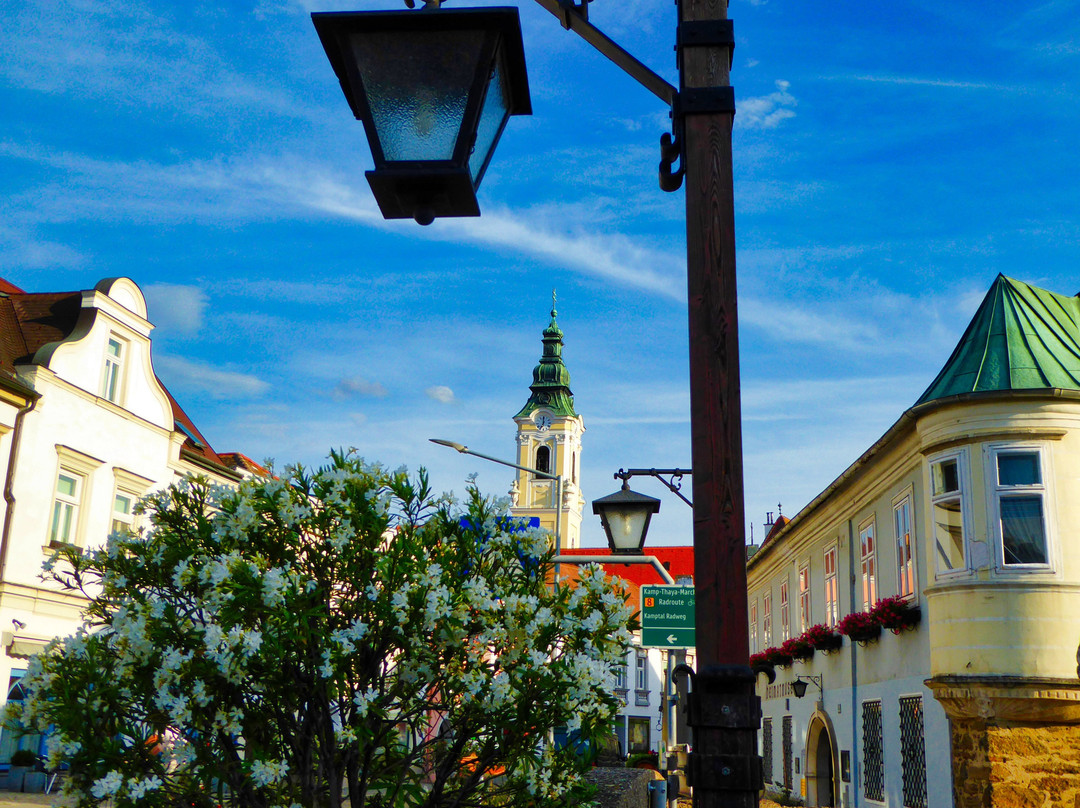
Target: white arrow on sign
{"points": [[671, 638]]}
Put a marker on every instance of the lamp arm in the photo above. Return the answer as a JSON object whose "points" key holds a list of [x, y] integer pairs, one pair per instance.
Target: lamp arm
{"points": [[575, 18], [653, 561], [674, 484]]}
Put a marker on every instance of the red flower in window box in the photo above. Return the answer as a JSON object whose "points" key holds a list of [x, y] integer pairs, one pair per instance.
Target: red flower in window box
{"points": [[896, 614], [861, 626], [771, 657], [823, 638], [798, 647]]}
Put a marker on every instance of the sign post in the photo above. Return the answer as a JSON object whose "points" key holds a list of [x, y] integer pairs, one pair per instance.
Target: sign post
{"points": [[667, 616]]}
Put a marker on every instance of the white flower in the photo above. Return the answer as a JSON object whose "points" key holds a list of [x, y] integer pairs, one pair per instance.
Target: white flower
{"points": [[264, 773], [107, 785], [138, 788], [363, 701]]}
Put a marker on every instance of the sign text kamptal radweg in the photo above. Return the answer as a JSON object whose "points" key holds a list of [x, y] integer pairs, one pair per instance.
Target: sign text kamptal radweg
{"points": [[667, 616]]}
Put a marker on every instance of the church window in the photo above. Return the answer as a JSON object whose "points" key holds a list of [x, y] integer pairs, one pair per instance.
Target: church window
{"points": [[543, 460]]}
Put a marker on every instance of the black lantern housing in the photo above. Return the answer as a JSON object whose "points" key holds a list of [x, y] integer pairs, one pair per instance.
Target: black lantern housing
{"points": [[434, 90], [625, 516], [798, 687]]}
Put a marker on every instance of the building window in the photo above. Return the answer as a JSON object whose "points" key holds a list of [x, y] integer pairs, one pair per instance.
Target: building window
{"points": [[869, 565], [123, 515], [620, 676], [913, 751], [788, 752], [766, 620], [832, 588], [785, 613], [110, 377], [65, 512], [946, 486], [70, 495], [639, 734], [905, 549], [804, 597], [543, 460], [1019, 495], [641, 682], [766, 749], [873, 759], [641, 679], [753, 627]]}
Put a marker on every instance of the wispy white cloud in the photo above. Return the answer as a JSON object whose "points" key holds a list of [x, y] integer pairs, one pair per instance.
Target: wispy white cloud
{"points": [[766, 111], [176, 307], [886, 78], [21, 248], [358, 386], [95, 50], [204, 378], [440, 393]]}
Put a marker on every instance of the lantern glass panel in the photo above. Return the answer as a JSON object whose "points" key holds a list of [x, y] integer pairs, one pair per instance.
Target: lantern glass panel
{"points": [[417, 85], [493, 117], [626, 526]]}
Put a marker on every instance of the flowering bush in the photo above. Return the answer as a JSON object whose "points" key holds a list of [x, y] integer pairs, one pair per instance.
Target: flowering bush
{"points": [[269, 645], [896, 614], [860, 626]]}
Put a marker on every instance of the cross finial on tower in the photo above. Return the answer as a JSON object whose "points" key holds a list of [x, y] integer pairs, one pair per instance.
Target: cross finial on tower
{"points": [[553, 304]]}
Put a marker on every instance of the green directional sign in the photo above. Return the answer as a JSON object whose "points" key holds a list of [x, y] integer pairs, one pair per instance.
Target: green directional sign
{"points": [[667, 616]]}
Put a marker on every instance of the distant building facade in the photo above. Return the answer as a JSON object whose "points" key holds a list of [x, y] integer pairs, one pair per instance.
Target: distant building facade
{"points": [[86, 429], [967, 510]]}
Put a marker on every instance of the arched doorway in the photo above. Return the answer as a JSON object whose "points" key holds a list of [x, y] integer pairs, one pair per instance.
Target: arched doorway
{"points": [[821, 761]]}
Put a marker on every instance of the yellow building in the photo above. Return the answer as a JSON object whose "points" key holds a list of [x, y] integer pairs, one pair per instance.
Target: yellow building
{"points": [[549, 434], [965, 515]]}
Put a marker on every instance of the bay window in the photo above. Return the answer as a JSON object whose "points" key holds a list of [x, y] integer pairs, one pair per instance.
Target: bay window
{"points": [[1019, 504], [947, 488]]}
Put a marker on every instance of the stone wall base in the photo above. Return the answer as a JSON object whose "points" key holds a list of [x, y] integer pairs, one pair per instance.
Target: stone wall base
{"points": [[1017, 766], [1015, 743]]}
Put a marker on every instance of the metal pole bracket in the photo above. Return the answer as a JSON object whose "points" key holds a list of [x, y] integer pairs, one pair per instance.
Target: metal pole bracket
{"points": [[705, 34]]}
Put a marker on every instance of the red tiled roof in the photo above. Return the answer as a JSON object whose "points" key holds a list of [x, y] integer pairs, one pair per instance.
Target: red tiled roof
{"points": [[679, 561], [29, 321], [237, 461], [194, 436], [7, 287]]}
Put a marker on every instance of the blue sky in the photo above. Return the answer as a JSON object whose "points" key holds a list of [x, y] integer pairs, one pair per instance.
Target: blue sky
{"points": [[890, 160]]}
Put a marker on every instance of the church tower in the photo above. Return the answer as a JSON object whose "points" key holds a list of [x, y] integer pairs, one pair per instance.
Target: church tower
{"points": [[549, 439]]}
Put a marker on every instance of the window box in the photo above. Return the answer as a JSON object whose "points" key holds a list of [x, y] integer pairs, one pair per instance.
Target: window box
{"points": [[772, 658], [862, 627], [897, 614], [824, 639], [798, 648]]}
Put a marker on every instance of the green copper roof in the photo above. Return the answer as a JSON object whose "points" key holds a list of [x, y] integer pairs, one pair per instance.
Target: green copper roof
{"points": [[551, 379], [1021, 338]]}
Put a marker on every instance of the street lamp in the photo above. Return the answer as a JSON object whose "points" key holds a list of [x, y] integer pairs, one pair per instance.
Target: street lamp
{"points": [[798, 687], [724, 710], [460, 447], [625, 516], [434, 91]]}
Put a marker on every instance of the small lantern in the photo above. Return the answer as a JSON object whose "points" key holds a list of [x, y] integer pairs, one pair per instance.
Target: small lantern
{"points": [[798, 687], [434, 90], [625, 516]]}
